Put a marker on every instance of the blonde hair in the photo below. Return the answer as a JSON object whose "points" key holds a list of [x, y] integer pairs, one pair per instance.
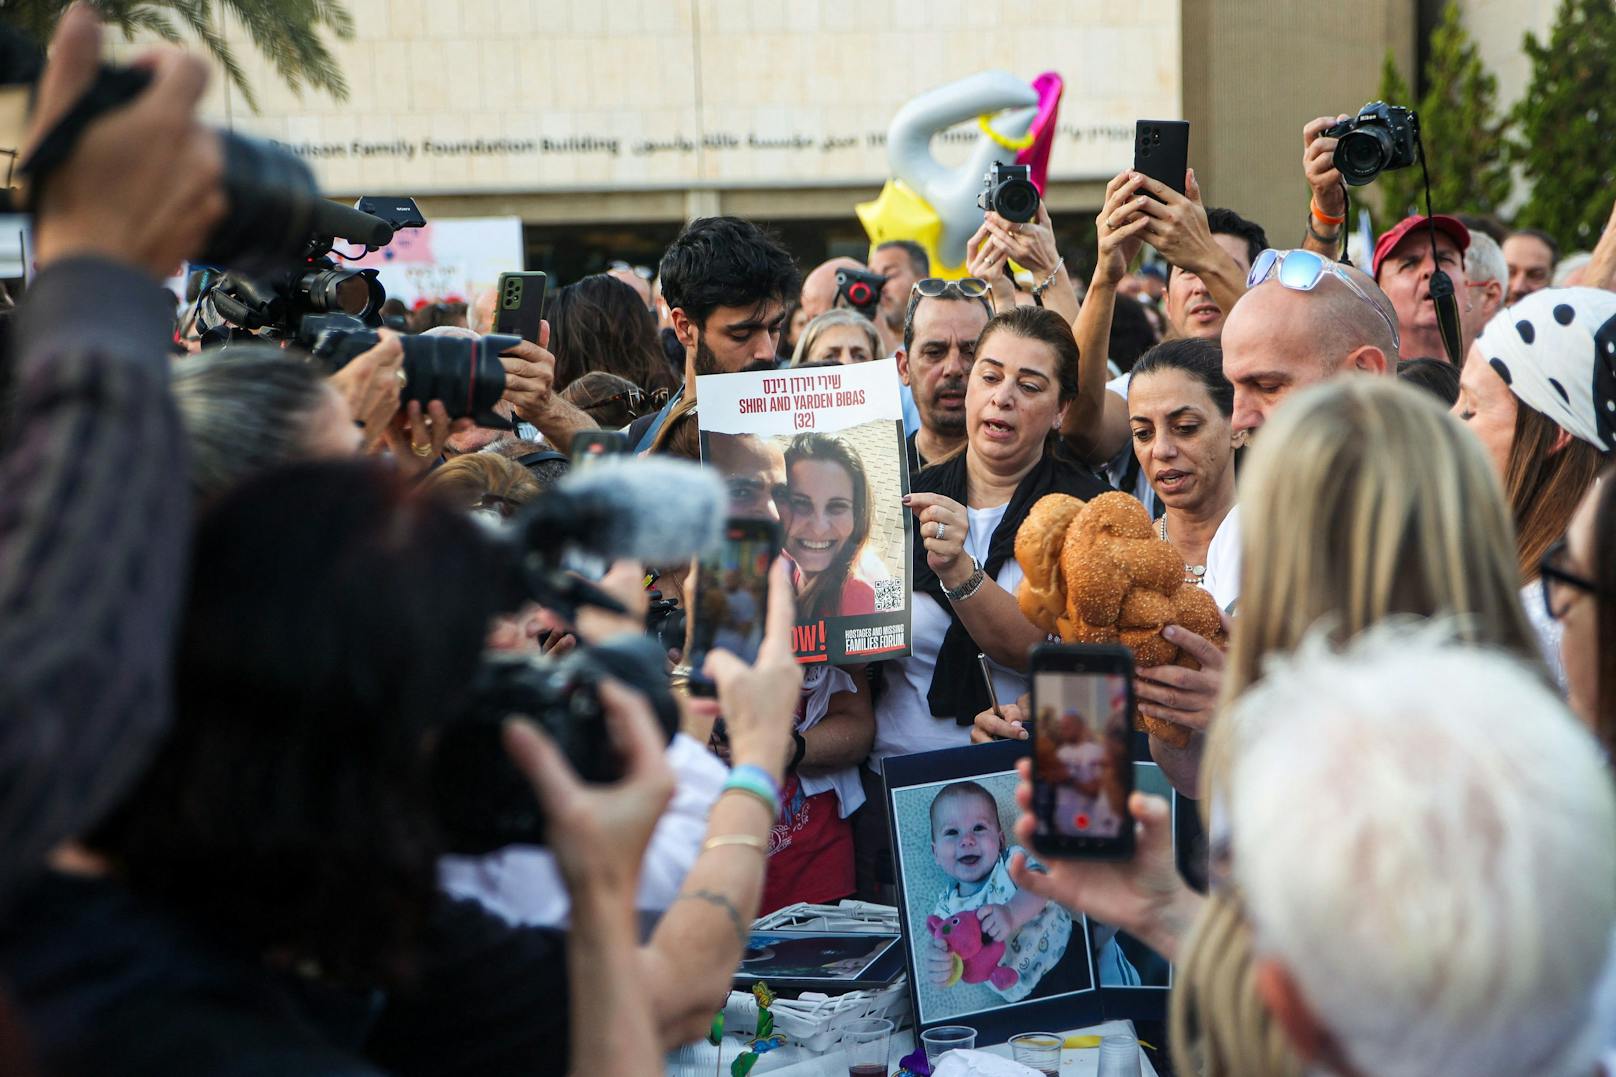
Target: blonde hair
{"points": [[471, 481], [1377, 503], [829, 320], [1369, 501]]}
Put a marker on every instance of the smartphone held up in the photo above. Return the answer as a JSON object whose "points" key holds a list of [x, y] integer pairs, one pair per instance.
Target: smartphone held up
{"points": [[1082, 762], [732, 595]]}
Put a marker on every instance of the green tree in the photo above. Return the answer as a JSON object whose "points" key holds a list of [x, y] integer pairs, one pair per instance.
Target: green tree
{"points": [[1465, 144], [288, 32], [1566, 149]]}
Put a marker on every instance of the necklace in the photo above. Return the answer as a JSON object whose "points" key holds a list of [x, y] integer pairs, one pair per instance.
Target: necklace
{"points": [[1192, 573]]}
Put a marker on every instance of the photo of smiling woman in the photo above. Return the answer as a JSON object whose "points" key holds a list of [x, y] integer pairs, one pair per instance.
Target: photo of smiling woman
{"points": [[826, 518]]}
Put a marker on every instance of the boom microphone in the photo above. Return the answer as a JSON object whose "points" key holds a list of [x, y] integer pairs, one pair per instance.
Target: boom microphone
{"points": [[655, 510], [344, 222]]}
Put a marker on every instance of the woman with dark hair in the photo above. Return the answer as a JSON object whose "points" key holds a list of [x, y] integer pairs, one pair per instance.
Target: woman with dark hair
{"points": [[826, 518], [600, 323], [1539, 393], [1579, 591]]}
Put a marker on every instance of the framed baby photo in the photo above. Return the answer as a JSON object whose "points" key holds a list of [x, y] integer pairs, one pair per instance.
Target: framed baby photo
{"points": [[979, 951]]}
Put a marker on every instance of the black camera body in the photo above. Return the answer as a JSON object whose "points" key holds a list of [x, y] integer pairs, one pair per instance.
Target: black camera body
{"points": [[271, 194], [466, 375], [482, 802], [860, 290], [1008, 191], [1381, 137]]}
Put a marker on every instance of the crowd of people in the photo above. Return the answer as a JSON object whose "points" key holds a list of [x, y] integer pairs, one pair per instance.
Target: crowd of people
{"points": [[246, 602]]}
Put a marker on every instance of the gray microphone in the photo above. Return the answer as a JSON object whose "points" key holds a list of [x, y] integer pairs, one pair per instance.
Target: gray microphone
{"points": [[651, 509]]}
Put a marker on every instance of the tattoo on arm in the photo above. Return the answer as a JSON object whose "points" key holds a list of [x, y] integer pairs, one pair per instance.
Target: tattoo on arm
{"points": [[722, 902]]}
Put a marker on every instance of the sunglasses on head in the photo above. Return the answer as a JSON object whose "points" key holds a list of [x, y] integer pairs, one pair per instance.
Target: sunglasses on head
{"points": [[643, 272], [1301, 271], [965, 287]]}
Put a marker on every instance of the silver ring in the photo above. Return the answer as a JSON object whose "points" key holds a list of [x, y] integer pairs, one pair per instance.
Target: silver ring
{"points": [[942, 529]]}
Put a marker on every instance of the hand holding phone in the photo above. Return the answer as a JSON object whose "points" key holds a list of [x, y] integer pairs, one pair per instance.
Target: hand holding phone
{"points": [[1082, 759], [732, 596], [1161, 150], [519, 305]]}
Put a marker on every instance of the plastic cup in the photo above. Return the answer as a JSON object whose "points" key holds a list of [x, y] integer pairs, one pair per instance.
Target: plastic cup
{"points": [[1038, 1050], [945, 1038], [1119, 1056], [867, 1044]]}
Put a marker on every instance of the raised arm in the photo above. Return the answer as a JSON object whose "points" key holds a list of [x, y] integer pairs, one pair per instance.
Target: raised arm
{"points": [[1321, 235], [1096, 423], [529, 388], [94, 505]]}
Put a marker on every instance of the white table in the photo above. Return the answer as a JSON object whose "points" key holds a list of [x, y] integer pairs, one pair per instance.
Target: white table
{"points": [[702, 1059]]}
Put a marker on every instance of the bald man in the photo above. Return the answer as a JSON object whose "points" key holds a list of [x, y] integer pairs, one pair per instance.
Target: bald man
{"points": [[1278, 339], [641, 286]]}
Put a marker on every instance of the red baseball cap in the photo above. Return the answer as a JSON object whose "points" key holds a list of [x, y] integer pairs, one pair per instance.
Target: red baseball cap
{"points": [[1448, 226]]}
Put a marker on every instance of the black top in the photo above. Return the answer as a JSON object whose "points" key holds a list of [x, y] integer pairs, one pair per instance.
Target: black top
{"points": [[95, 523], [108, 985]]}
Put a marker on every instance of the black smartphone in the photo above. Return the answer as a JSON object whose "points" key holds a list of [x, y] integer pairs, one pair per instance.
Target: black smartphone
{"points": [[1082, 763], [589, 446], [520, 305], [732, 595], [1161, 150]]}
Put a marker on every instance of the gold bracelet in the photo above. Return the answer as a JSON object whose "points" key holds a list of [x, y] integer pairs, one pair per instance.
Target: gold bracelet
{"points": [[751, 841], [774, 808]]}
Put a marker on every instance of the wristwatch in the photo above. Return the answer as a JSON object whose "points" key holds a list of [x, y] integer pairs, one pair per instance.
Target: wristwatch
{"points": [[972, 584]]}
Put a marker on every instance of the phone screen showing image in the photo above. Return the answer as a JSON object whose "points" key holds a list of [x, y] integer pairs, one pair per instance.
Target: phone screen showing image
{"points": [[1082, 763], [732, 591]]}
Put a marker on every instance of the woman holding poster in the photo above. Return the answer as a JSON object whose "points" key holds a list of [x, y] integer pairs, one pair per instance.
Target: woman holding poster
{"points": [[967, 509], [826, 517]]}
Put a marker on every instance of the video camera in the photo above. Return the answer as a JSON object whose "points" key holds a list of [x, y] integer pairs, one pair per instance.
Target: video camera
{"points": [[652, 510], [1380, 138], [860, 290], [1008, 190]]}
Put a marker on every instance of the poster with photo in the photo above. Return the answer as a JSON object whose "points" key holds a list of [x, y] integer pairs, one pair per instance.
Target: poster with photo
{"points": [[824, 449], [980, 951]]}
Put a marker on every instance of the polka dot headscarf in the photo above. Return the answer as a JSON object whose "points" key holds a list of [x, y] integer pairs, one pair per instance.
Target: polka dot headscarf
{"points": [[1556, 350]]}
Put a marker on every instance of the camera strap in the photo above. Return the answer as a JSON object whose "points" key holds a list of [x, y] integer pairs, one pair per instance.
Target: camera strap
{"points": [[112, 87], [1441, 285]]}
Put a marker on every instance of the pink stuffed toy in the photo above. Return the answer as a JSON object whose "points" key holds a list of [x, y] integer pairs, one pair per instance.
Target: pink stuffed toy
{"points": [[976, 958]]}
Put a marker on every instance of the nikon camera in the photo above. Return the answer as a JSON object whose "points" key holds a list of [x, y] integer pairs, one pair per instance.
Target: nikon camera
{"points": [[1008, 191], [1379, 138]]}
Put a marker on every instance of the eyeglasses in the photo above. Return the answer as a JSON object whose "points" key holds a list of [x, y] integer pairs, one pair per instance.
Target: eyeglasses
{"points": [[1553, 580], [643, 272], [1301, 271], [936, 287]]}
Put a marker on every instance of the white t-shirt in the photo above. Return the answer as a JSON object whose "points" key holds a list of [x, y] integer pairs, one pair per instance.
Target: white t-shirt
{"points": [[1548, 632], [1223, 561], [903, 721]]}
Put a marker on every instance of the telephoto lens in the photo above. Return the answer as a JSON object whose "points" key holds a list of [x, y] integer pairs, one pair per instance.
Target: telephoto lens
{"points": [[465, 374]]}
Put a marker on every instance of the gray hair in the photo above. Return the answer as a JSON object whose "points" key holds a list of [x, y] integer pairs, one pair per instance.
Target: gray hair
{"points": [[1484, 261], [246, 409], [1425, 839], [829, 320], [1569, 267]]}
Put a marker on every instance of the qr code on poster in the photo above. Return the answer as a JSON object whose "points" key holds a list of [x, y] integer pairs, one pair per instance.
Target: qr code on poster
{"points": [[888, 596]]}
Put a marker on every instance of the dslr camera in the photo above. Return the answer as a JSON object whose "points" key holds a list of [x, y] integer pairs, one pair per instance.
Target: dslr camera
{"points": [[1008, 191], [1379, 138], [860, 290]]}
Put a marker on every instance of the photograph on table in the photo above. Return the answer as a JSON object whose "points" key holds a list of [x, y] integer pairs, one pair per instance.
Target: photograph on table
{"points": [[821, 451], [819, 960], [981, 951]]}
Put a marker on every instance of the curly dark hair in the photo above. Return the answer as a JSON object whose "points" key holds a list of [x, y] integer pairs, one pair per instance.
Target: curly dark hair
{"points": [[599, 323], [333, 621], [725, 262]]}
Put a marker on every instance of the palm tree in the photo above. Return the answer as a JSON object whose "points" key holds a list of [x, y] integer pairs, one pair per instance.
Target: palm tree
{"points": [[287, 32]]}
